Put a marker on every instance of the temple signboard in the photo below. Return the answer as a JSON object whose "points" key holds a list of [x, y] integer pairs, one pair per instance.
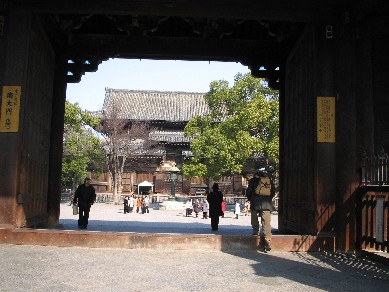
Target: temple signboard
{"points": [[325, 119], [10, 108]]}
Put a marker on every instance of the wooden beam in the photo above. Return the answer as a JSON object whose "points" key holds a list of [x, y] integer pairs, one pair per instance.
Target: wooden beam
{"points": [[280, 10], [195, 49], [364, 10]]}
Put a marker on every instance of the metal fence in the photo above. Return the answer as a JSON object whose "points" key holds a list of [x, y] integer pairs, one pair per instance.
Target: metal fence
{"points": [[67, 197]]}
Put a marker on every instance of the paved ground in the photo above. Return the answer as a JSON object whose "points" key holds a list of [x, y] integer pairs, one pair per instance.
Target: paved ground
{"points": [[108, 217], [38, 268]]}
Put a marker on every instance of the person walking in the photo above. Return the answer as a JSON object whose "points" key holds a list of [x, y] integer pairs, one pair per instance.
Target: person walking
{"points": [[224, 206], [237, 209], [246, 208], [84, 197], [215, 199], [125, 203], [188, 208], [205, 209], [146, 203], [131, 202], [259, 193], [138, 203], [197, 208]]}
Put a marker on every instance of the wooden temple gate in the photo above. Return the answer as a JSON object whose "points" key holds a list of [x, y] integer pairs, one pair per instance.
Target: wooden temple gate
{"points": [[329, 59]]}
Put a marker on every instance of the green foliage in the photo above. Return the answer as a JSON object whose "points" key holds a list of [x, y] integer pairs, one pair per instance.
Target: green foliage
{"points": [[243, 122], [81, 147]]}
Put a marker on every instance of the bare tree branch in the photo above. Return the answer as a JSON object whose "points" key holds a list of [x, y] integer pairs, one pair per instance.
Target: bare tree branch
{"points": [[124, 140]]}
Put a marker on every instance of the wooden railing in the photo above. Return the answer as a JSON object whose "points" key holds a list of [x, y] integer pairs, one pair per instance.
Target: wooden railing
{"points": [[373, 221], [375, 170], [373, 204]]}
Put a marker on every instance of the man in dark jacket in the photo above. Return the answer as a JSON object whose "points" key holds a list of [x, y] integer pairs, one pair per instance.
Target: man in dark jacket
{"points": [[215, 199], [125, 204], [85, 196], [259, 194]]}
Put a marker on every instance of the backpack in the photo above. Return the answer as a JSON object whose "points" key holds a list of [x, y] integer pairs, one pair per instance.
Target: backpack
{"points": [[264, 187]]}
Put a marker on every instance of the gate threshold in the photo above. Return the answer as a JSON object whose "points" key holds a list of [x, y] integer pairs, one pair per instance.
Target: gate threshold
{"points": [[127, 240]]}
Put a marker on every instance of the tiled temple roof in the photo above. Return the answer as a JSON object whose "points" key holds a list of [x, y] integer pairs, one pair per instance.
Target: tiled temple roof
{"points": [[157, 105]]}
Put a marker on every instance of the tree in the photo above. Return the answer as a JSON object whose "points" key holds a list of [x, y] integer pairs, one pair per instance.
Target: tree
{"points": [[81, 146], [123, 140], [243, 123]]}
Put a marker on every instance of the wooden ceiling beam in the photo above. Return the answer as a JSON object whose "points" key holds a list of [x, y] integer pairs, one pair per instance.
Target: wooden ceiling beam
{"points": [[277, 10], [162, 48], [366, 9]]}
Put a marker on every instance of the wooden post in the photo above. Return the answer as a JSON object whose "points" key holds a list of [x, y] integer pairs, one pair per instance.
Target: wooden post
{"points": [[56, 143], [346, 155], [281, 151], [15, 70], [325, 155], [25, 153]]}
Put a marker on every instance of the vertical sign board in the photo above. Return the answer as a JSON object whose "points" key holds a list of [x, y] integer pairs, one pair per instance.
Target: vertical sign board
{"points": [[379, 219], [10, 108], [325, 119]]}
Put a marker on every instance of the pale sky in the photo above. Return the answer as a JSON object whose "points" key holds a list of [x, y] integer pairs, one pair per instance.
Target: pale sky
{"points": [[149, 75]]}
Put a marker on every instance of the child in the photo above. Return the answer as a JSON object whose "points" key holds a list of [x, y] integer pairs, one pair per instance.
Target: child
{"points": [[197, 207], [205, 209], [237, 209], [246, 208]]}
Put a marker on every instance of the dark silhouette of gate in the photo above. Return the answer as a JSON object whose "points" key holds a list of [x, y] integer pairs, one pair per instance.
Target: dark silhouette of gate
{"points": [[328, 59]]}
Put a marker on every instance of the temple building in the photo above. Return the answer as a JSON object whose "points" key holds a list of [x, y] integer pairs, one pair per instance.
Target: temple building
{"points": [[168, 113]]}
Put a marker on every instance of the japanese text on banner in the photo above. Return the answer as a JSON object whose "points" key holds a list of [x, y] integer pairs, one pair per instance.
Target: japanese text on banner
{"points": [[326, 119], [10, 108]]}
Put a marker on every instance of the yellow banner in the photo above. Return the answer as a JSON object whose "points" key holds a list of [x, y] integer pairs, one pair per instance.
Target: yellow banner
{"points": [[325, 119], [10, 108]]}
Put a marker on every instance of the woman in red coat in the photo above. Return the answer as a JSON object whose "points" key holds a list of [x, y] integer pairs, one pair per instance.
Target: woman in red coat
{"points": [[224, 205]]}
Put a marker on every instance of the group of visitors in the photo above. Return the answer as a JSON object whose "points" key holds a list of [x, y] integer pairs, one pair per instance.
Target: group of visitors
{"points": [[259, 201], [196, 207], [136, 204], [213, 204]]}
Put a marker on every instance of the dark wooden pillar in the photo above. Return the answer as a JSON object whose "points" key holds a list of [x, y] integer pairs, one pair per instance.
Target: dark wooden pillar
{"points": [[364, 94], [3, 26], [56, 142], [298, 151], [24, 155], [347, 178], [14, 72], [281, 151], [325, 152]]}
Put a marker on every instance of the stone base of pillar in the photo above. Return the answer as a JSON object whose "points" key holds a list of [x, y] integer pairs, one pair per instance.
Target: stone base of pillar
{"points": [[53, 221]]}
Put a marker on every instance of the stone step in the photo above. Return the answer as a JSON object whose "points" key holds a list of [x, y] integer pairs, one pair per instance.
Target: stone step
{"points": [[93, 239]]}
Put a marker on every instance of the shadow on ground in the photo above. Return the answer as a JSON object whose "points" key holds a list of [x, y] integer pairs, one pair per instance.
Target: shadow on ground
{"points": [[203, 227], [321, 270]]}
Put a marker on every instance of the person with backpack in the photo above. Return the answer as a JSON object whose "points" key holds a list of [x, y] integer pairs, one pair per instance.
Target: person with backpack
{"points": [[259, 194]]}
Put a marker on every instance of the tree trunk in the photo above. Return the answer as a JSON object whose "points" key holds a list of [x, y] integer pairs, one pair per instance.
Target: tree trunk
{"points": [[116, 195]]}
